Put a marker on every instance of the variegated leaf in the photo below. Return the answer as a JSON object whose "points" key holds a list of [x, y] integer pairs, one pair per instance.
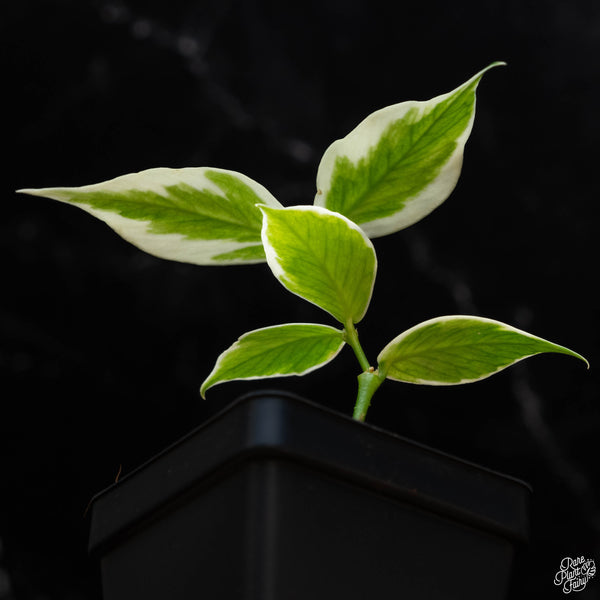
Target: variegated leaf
{"points": [[322, 257], [198, 215], [400, 163], [277, 351], [459, 349]]}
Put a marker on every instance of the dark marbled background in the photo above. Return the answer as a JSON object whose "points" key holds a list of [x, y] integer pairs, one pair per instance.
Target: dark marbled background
{"points": [[103, 348]]}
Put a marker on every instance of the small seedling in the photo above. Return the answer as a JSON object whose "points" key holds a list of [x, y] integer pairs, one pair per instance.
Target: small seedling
{"points": [[393, 169]]}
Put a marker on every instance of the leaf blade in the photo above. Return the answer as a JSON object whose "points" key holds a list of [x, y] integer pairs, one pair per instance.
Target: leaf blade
{"points": [[276, 351], [199, 215], [400, 163], [459, 349], [322, 257]]}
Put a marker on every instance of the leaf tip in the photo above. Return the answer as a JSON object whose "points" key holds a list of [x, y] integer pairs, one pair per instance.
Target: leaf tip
{"points": [[497, 63], [203, 389], [207, 384], [569, 352], [584, 359], [29, 191]]}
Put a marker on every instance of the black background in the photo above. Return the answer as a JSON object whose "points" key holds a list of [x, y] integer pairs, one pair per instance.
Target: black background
{"points": [[103, 347]]}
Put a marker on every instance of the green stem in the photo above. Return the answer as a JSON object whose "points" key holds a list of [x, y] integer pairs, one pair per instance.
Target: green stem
{"points": [[368, 381], [351, 337]]}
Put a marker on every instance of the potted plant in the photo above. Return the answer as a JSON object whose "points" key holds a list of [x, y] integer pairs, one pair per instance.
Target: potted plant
{"points": [[277, 497]]}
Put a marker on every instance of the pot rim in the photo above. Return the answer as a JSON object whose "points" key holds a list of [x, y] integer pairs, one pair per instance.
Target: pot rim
{"points": [[282, 425]]}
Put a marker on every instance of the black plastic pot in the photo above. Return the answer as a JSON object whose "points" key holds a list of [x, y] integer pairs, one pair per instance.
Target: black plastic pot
{"points": [[277, 498]]}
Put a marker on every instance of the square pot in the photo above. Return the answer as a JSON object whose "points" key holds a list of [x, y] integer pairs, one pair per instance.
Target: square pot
{"points": [[276, 498]]}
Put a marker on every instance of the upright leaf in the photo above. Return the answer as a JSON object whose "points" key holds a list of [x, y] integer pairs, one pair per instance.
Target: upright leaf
{"points": [[197, 215], [400, 163], [281, 350], [459, 349], [322, 257]]}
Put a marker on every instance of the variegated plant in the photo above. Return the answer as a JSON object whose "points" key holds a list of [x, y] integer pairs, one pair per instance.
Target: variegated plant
{"points": [[393, 169]]}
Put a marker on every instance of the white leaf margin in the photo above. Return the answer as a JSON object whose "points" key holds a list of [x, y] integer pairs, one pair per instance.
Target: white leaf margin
{"points": [[236, 345], [169, 246], [273, 259], [367, 134], [561, 349]]}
